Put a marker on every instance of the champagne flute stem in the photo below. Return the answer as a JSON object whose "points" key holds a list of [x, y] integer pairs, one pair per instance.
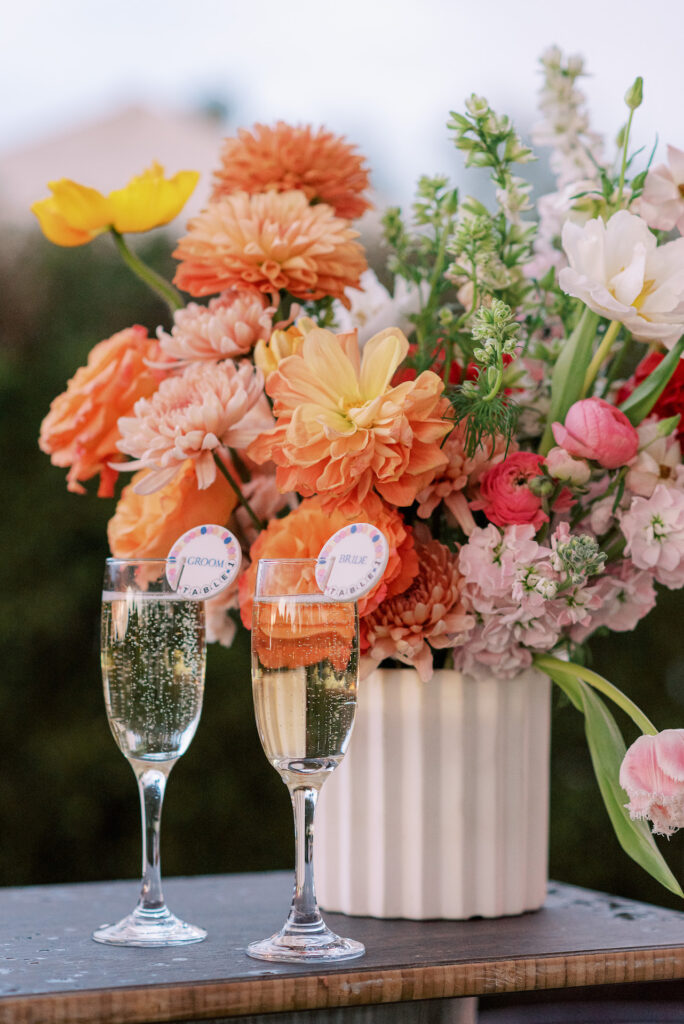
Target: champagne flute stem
{"points": [[151, 784], [304, 910]]}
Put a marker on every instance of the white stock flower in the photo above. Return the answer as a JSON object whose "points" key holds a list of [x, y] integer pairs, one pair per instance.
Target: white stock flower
{"points": [[662, 201], [374, 308], [619, 271]]}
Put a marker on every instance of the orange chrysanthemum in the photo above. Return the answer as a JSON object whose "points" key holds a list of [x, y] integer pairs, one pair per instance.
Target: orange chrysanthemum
{"points": [[81, 429], [342, 429], [269, 243], [430, 610], [325, 167], [303, 533], [146, 525]]}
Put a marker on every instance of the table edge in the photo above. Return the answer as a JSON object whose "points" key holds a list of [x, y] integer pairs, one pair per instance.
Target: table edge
{"points": [[204, 1000]]}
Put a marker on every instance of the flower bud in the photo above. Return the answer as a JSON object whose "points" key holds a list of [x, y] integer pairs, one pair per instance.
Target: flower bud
{"points": [[562, 466], [635, 94], [540, 485]]}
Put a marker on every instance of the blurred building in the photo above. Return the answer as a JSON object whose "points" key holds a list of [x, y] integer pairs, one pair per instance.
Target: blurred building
{"points": [[106, 153]]}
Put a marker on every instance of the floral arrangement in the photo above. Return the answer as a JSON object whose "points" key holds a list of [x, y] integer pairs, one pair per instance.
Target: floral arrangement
{"points": [[508, 414]]}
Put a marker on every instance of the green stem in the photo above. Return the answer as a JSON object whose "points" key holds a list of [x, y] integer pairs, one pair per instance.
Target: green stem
{"points": [[600, 355], [617, 363], [152, 279], [544, 661], [623, 168], [254, 517]]}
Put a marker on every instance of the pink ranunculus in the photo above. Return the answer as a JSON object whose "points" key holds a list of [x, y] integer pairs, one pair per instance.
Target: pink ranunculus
{"points": [[505, 496], [595, 429], [562, 466], [652, 774]]}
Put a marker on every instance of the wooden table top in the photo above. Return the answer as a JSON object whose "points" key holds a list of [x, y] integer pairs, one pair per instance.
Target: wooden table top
{"points": [[51, 971]]}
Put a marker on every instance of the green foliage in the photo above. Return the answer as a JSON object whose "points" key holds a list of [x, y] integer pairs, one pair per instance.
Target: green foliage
{"points": [[571, 366], [638, 405]]}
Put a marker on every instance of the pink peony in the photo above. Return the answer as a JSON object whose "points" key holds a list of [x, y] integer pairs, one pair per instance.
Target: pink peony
{"points": [[225, 329], [595, 429], [191, 416], [654, 529], [652, 774], [505, 496]]}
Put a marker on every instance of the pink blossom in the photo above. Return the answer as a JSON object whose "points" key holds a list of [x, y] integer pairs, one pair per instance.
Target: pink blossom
{"points": [[657, 460], [265, 500], [191, 416], [662, 201], [654, 529], [625, 595], [228, 327], [595, 429], [652, 774]]}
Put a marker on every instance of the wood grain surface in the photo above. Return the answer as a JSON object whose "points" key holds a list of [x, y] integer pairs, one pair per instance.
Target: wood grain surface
{"points": [[52, 972]]}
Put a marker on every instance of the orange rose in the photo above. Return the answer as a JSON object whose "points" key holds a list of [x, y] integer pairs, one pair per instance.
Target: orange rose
{"points": [[80, 430], [146, 525], [302, 534]]}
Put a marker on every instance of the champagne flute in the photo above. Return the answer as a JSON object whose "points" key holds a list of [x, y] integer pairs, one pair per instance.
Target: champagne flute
{"points": [[153, 660], [305, 656]]}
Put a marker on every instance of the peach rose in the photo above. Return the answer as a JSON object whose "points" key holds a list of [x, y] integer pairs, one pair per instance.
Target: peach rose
{"points": [[146, 525], [81, 429]]}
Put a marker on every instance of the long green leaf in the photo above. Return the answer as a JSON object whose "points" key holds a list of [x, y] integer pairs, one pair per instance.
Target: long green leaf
{"points": [[568, 375], [607, 749], [639, 404]]}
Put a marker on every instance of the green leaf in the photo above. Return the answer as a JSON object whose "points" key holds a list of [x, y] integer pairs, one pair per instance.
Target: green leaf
{"points": [[607, 749], [639, 404], [568, 375]]}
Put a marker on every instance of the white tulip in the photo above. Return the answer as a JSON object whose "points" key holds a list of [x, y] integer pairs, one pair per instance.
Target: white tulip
{"points": [[619, 270]]}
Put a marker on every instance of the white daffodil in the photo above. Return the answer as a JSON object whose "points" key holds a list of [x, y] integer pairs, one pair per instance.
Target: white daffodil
{"points": [[619, 270]]}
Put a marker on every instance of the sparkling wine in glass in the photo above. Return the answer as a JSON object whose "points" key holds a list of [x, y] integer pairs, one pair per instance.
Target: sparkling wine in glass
{"points": [[153, 661], [305, 655]]}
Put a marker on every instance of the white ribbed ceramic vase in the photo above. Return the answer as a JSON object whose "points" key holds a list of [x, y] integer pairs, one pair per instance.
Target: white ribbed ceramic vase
{"points": [[440, 807]]}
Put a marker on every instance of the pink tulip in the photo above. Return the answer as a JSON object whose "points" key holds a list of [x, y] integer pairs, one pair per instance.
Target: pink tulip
{"points": [[652, 774], [595, 429]]}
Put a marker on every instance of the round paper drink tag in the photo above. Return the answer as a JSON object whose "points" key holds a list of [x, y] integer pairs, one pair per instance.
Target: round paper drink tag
{"points": [[352, 562], [203, 562]]}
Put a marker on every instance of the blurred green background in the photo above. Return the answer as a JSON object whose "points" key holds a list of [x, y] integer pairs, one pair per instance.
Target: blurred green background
{"points": [[68, 804]]}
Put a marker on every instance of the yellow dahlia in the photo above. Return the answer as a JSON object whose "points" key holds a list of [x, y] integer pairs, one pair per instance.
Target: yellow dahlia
{"points": [[269, 243], [342, 429], [325, 167]]}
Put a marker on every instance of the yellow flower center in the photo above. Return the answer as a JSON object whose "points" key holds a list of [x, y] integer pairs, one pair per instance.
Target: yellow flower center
{"points": [[649, 287]]}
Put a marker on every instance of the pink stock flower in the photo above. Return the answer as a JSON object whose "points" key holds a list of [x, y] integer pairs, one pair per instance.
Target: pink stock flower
{"points": [[625, 594], [657, 460], [662, 201], [190, 416], [652, 775], [225, 329], [654, 529], [595, 429], [505, 495]]}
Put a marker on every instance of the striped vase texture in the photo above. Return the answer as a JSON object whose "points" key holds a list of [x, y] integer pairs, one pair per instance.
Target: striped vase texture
{"points": [[440, 807]]}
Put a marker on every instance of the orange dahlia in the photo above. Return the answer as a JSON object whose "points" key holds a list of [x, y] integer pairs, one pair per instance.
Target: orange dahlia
{"points": [[146, 525], [343, 430], [302, 534], [325, 167], [81, 429], [269, 243], [429, 614]]}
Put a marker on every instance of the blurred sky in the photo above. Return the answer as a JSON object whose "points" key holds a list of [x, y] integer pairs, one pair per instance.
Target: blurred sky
{"points": [[383, 72]]}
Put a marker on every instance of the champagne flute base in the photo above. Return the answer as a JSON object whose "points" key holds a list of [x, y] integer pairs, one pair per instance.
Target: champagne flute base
{"points": [[149, 929], [293, 948]]}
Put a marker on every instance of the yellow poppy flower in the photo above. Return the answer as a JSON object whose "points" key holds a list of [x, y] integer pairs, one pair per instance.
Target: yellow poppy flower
{"points": [[74, 214]]}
